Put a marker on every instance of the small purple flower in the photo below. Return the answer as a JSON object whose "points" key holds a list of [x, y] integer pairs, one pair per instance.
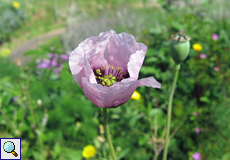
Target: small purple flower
{"points": [[54, 62], [197, 130], [196, 156], [53, 55], [216, 69], [215, 36], [64, 57], [203, 56], [68, 53], [38, 60], [50, 55], [15, 98], [181, 31], [58, 69], [195, 113], [107, 68], [47, 61], [44, 64]]}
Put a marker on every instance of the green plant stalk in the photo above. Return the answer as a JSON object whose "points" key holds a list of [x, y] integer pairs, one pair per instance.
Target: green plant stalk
{"points": [[107, 133], [177, 68]]}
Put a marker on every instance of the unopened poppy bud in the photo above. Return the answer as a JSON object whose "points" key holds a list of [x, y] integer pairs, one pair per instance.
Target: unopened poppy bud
{"points": [[179, 47]]}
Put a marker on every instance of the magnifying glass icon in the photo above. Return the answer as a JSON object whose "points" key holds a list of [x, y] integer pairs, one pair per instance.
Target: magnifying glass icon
{"points": [[9, 147]]}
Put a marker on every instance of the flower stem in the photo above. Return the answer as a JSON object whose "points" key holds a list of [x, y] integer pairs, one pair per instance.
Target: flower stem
{"points": [[106, 125], [177, 68]]}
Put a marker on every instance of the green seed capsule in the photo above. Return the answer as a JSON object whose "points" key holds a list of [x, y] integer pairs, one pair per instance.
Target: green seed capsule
{"points": [[179, 47]]}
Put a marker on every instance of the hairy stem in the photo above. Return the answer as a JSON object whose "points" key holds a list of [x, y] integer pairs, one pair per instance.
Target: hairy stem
{"points": [[108, 136], [177, 68]]}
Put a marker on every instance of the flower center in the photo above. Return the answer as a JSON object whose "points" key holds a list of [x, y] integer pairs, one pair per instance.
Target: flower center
{"points": [[111, 78]]}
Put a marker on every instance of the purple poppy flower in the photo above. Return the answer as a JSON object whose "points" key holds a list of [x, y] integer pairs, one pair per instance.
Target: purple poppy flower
{"points": [[215, 36], [203, 56], [107, 67], [216, 69], [197, 130], [196, 156], [64, 57], [195, 113]]}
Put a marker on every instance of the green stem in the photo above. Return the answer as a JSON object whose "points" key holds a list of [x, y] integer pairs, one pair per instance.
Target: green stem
{"points": [[107, 133], [177, 68]]}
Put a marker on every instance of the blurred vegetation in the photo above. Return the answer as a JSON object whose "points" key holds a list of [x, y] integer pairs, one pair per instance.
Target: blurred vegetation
{"points": [[54, 118], [12, 17]]}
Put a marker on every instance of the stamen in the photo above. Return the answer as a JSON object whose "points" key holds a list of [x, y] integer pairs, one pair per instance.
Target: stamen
{"points": [[109, 79], [98, 71], [103, 69], [118, 72], [112, 69], [109, 69]]}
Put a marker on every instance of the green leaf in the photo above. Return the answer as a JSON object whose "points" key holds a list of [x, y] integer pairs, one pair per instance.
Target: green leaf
{"points": [[176, 25], [150, 52], [148, 70], [155, 30], [151, 60], [155, 111], [54, 77], [204, 99], [70, 154], [123, 153], [226, 156]]}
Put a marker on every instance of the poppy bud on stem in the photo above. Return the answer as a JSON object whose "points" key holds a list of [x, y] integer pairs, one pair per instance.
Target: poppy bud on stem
{"points": [[179, 49]]}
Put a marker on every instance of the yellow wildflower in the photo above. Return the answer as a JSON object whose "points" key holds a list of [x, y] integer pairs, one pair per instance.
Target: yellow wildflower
{"points": [[5, 52], [197, 47], [136, 95], [16, 5], [88, 151]]}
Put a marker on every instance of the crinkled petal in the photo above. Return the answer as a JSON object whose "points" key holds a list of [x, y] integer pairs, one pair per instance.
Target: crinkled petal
{"points": [[135, 63], [149, 82], [88, 72], [109, 97], [98, 52], [76, 63], [93, 49], [118, 50], [116, 95], [123, 50]]}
